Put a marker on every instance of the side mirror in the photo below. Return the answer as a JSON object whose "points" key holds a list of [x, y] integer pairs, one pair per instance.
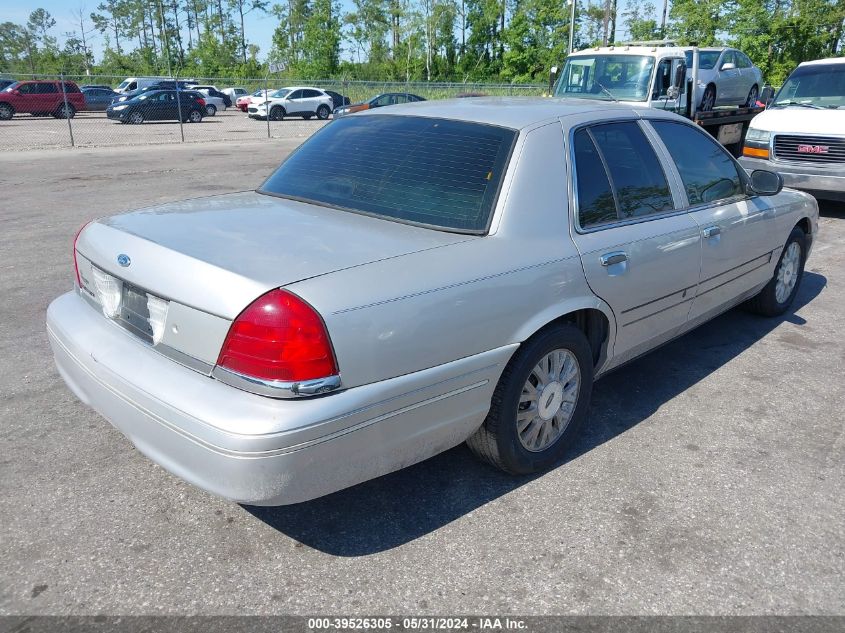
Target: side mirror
{"points": [[766, 183], [767, 94], [680, 77], [553, 71], [728, 66], [16, 92]]}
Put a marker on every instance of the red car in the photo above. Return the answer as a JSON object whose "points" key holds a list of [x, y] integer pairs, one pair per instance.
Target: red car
{"points": [[41, 98], [243, 102]]}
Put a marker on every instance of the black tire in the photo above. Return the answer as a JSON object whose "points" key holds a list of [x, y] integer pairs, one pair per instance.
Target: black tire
{"points": [[65, 111], [497, 440], [136, 118], [6, 112], [751, 99], [323, 112], [766, 301], [277, 113], [307, 116], [194, 116], [708, 99], [210, 109]]}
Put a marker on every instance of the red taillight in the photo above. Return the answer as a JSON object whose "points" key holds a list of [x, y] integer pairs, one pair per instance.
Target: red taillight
{"points": [[279, 337], [201, 101], [75, 263]]}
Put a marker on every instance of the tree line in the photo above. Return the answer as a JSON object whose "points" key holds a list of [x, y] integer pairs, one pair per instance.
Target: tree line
{"points": [[407, 40]]}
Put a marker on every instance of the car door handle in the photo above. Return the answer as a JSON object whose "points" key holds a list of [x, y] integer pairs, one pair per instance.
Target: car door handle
{"points": [[617, 257], [712, 231]]}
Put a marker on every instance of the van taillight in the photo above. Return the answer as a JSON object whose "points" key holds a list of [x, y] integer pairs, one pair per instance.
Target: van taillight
{"points": [[279, 337]]}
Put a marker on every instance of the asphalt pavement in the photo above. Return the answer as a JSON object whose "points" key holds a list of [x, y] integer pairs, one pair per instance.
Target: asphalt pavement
{"points": [[709, 481]]}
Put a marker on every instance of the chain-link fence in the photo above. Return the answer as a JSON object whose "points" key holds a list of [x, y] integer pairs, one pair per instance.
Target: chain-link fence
{"points": [[47, 110]]}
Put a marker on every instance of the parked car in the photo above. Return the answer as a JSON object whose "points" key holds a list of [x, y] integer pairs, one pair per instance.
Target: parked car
{"points": [[99, 99], [234, 93], [212, 103], [41, 98], [379, 101], [294, 101], [212, 91], [801, 135], [95, 86], [243, 103], [5, 83], [159, 105], [336, 325], [338, 100], [726, 76]]}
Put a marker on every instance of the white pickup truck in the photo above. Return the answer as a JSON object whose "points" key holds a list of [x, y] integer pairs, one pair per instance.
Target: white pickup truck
{"points": [[654, 75], [802, 133]]}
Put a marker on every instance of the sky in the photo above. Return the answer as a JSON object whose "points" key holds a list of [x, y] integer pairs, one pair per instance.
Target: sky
{"points": [[259, 26]]}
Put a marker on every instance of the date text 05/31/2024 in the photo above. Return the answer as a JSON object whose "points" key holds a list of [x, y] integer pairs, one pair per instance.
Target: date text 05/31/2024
{"points": [[417, 623]]}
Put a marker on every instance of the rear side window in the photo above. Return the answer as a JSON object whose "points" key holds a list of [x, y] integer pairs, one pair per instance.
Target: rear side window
{"points": [[625, 158], [434, 172], [46, 88], [596, 204], [69, 87], [707, 170]]}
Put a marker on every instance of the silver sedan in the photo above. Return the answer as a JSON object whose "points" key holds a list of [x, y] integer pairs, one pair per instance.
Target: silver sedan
{"points": [[469, 285], [726, 76]]}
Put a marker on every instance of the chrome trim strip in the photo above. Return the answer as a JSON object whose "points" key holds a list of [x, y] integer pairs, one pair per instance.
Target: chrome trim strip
{"points": [[276, 388]]}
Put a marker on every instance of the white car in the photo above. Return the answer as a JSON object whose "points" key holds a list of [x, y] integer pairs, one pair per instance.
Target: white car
{"points": [[292, 101], [801, 135], [235, 93]]}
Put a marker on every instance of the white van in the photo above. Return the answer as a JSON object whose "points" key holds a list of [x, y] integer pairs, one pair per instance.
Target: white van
{"points": [[135, 83], [801, 134]]}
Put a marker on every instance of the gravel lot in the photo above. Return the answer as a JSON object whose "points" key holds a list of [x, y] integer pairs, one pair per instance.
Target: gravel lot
{"points": [[93, 129], [709, 482]]}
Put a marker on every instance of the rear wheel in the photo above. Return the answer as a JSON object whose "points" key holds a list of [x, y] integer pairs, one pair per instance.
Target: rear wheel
{"points": [[323, 112], [709, 98], [211, 109], [540, 403], [194, 116], [777, 295], [6, 112], [751, 101], [136, 118], [277, 113], [65, 111]]}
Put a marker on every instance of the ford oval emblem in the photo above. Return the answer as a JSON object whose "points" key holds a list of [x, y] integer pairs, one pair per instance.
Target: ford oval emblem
{"points": [[123, 260]]}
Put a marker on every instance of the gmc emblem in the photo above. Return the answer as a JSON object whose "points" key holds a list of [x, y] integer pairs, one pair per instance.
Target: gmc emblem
{"points": [[813, 149]]}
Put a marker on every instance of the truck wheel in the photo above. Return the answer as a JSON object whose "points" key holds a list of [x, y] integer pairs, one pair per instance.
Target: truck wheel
{"points": [[539, 404], [709, 98], [777, 295], [6, 112]]}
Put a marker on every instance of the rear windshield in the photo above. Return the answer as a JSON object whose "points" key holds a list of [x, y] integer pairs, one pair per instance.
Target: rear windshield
{"points": [[434, 172]]}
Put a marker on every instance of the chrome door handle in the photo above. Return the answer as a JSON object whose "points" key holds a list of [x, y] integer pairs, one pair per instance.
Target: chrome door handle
{"points": [[616, 257], [712, 231]]}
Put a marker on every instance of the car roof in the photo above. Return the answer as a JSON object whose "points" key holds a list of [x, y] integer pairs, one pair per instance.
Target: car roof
{"points": [[511, 112]]}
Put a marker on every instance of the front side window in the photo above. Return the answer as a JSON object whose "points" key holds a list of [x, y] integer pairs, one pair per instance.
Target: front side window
{"points": [[27, 89], [439, 173], [707, 170]]}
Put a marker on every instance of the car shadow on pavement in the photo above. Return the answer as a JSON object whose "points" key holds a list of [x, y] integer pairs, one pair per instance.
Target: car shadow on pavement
{"points": [[387, 512]]}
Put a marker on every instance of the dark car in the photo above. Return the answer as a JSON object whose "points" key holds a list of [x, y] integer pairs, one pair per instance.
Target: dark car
{"points": [[92, 86], [99, 98], [159, 105], [386, 99], [5, 83], [41, 98], [338, 99]]}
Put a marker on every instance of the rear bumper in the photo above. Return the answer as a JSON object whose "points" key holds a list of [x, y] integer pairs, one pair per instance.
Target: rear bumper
{"points": [[257, 450], [826, 182]]}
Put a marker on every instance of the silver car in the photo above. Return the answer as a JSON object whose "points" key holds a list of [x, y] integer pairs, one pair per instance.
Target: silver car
{"points": [[726, 76], [336, 325]]}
